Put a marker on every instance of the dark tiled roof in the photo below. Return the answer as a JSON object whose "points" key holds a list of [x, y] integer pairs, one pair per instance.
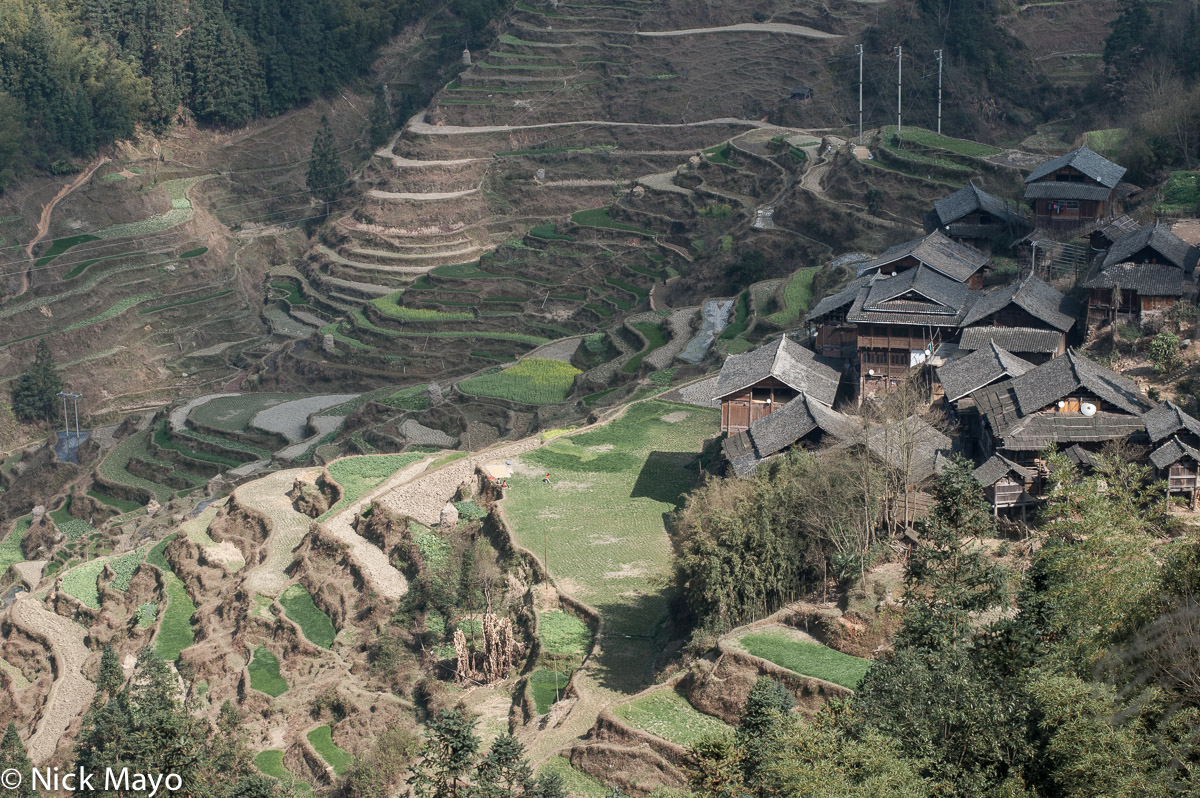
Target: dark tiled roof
{"points": [[996, 467], [917, 296], [1080, 456], [1172, 452], [1054, 190], [943, 255], [1146, 279], [786, 361], [982, 367], [1058, 378], [969, 199], [1042, 429], [841, 299], [890, 443], [783, 428], [1092, 164], [1032, 294], [1012, 339], [1171, 247], [1167, 419]]}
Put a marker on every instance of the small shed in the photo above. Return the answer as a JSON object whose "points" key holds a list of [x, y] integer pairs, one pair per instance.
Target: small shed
{"points": [[1179, 464], [1137, 292], [753, 385], [1007, 484]]}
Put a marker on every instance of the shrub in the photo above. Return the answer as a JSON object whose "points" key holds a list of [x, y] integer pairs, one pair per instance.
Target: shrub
{"points": [[1164, 352]]}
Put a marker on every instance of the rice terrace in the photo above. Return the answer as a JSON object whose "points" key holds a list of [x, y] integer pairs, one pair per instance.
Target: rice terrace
{"points": [[601, 398]]}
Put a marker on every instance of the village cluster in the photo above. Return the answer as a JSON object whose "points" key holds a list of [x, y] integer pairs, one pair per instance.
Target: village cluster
{"points": [[1001, 361]]}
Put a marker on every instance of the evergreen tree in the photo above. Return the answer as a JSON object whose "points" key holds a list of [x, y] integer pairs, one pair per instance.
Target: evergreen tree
{"points": [[503, 773], [448, 755], [325, 172], [763, 721], [13, 755], [35, 391], [111, 678], [381, 119]]}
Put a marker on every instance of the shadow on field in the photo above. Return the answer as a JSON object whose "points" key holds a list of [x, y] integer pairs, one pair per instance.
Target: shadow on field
{"points": [[665, 477]]}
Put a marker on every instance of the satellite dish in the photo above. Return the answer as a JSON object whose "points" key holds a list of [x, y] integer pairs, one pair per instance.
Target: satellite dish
{"points": [[870, 372], [1088, 409], [1061, 405]]}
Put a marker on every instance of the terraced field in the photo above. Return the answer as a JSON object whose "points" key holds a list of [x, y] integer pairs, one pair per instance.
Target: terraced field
{"points": [[667, 714]]}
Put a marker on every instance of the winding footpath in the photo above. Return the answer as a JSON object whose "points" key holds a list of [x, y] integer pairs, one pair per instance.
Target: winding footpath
{"points": [[748, 27], [71, 692]]}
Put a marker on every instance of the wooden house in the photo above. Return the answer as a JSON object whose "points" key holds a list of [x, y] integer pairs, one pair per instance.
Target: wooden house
{"points": [[753, 385], [900, 321], [1136, 293], [834, 336], [961, 377], [1176, 457], [916, 452], [1066, 401], [1075, 189], [1008, 485], [1028, 304], [941, 255], [971, 215], [804, 422], [1153, 244], [1030, 344]]}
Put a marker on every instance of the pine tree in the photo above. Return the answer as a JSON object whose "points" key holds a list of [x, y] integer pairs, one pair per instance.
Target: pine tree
{"points": [[13, 755], [448, 755], [35, 391], [381, 119], [504, 773], [325, 171], [111, 678]]}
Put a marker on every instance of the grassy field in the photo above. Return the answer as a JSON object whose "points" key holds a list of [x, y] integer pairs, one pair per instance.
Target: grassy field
{"points": [[233, 413], [546, 686], [123, 505], [797, 296], [271, 763], [601, 521], [61, 245], [175, 633], [598, 217], [358, 475], [115, 466], [322, 740], [655, 336], [807, 658], [563, 634], [264, 673], [533, 381], [80, 582], [298, 605], [927, 138], [124, 567], [390, 307], [1181, 194], [1107, 142], [69, 525], [575, 781], [667, 714], [10, 548]]}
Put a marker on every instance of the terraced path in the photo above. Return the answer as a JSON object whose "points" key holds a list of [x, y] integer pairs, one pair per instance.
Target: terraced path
{"points": [[424, 197], [418, 125], [71, 692], [748, 27]]}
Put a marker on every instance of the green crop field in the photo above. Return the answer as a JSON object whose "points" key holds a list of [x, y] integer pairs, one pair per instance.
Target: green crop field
{"points": [[193, 253], [600, 521], [322, 740], [115, 466], [533, 381], [667, 714], [414, 397], [575, 781], [264, 673], [548, 232], [162, 441], [388, 306], [298, 605], [69, 525], [10, 548], [181, 302], [271, 763], [147, 614], [123, 505], [797, 296], [175, 634], [61, 245], [80, 582], [807, 658], [546, 687], [80, 268], [181, 211], [599, 217], [123, 569], [1181, 194], [1107, 142], [655, 336], [928, 138], [357, 475], [233, 413], [563, 634]]}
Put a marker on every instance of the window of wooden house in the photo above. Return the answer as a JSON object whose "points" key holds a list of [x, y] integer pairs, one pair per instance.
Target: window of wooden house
{"points": [[899, 358], [1070, 205]]}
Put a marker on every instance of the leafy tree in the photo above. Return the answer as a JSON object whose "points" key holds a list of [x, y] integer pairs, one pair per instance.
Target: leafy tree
{"points": [[13, 755], [381, 119], [111, 677], [873, 199], [326, 175], [35, 391], [447, 757], [1164, 352], [377, 775]]}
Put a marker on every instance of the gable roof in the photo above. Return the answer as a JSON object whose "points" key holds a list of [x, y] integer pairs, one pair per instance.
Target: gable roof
{"points": [[889, 443], [1057, 378], [917, 296], [941, 254], [1090, 163], [783, 428], [841, 299], [1167, 419], [1012, 339], [786, 361], [1063, 190], [1171, 247], [996, 467], [982, 367], [1030, 293], [1172, 452], [1147, 279], [971, 198]]}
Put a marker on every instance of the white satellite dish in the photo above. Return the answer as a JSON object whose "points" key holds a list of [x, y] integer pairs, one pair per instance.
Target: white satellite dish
{"points": [[1088, 409], [1061, 405], [870, 372]]}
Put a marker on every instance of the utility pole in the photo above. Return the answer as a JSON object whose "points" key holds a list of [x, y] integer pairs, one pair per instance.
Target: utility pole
{"points": [[939, 56], [860, 87], [899, 85]]}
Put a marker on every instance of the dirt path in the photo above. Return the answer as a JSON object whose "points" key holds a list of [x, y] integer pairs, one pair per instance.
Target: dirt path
{"points": [[71, 692], [287, 527], [43, 225], [748, 27], [442, 195], [418, 125]]}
